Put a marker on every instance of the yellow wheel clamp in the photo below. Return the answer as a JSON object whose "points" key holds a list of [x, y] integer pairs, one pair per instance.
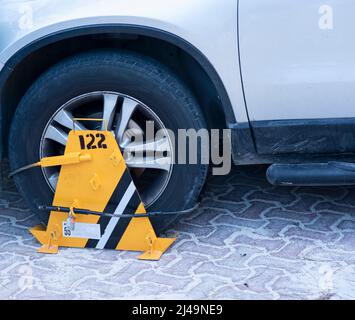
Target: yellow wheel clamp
{"points": [[94, 177]]}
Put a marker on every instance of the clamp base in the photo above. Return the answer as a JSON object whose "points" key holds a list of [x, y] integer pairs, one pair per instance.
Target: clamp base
{"points": [[157, 249], [48, 241], [152, 246]]}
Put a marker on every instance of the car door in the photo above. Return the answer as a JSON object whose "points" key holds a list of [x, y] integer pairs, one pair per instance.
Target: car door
{"points": [[298, 69]]}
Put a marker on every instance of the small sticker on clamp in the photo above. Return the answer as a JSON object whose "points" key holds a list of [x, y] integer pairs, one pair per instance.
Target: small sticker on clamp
{"points": [[82, 230]]}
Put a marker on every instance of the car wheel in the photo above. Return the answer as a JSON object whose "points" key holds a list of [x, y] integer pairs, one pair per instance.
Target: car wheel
{"points": [[128, 90]]}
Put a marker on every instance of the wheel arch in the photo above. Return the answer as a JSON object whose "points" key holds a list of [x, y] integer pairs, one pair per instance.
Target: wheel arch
{"points": [[11, 90]]}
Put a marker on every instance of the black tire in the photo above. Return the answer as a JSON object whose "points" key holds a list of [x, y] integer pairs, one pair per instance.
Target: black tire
{"points": [[129, 73]]}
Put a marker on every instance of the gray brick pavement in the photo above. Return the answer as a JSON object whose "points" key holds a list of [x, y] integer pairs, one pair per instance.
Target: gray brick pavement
{"points": [[248, 240]]}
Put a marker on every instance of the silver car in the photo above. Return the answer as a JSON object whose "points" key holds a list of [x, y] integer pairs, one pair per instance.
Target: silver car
{"points": [[280, 74]]}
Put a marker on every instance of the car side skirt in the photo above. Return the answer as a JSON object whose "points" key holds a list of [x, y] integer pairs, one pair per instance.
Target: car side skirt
{"points": [[294, 140]]}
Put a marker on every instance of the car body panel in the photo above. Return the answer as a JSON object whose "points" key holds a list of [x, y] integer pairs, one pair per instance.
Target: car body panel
{"points": [[293, 66], [194, 21]]}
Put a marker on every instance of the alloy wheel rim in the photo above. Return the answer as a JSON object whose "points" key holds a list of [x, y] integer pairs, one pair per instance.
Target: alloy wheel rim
{"points": [[126, 116]]}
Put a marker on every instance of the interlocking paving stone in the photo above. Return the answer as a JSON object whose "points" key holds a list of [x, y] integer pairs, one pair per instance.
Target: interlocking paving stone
{"points": [[248, 240]]}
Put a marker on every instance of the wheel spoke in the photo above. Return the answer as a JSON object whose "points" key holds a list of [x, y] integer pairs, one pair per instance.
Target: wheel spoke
{"points": [[57, 135], [128, 107], [53, 179], [150, 147], [65, 118], [110, 101], [149, 163]]}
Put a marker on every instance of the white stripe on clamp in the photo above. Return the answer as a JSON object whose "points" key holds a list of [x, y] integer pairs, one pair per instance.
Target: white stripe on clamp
{"points": [[114, 220]]}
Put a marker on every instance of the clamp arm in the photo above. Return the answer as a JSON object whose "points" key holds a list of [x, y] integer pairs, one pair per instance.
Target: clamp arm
{"points": [[70, 158]]}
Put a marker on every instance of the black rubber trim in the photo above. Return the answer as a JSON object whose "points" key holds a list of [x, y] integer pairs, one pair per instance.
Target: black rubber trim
{"points": [[243, 146], [294, 141], [306, 136], [4, 75]]}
